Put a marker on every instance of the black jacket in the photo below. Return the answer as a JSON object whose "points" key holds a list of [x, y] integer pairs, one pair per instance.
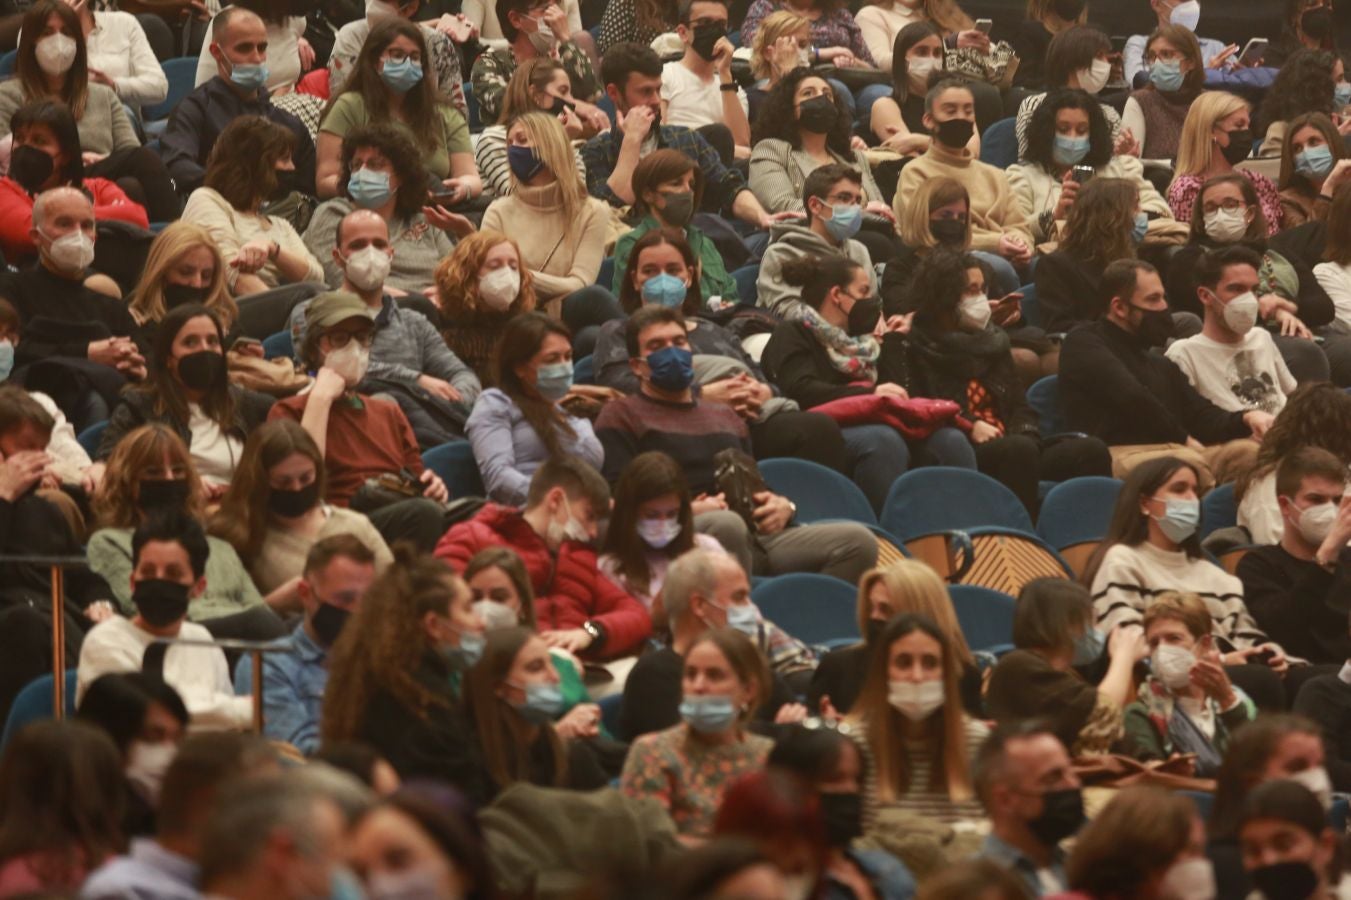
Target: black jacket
{"points": [[1115, 388], [942, 377], [798, 363], [137, 408], [45, 302], [1068, 292], [1301, 605]]}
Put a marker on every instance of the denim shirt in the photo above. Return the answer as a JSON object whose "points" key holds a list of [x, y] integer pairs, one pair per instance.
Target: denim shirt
{"points": [[293, 690], [889, 877], [1013, 859]]}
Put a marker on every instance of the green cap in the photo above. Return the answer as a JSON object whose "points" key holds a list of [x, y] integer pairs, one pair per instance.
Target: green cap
{"points": [[331, 307]]}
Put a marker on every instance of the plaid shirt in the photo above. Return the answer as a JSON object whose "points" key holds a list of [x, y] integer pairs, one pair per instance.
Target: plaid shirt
{"points": [[493, 69], [786, 654], [601, 154]]}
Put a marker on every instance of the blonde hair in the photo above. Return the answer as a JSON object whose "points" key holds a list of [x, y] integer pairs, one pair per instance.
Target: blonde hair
{"points": [[1197, 145], [946, 14], [170, 245], [914, 587], [912, 213], [775, 25], [553, 148]]}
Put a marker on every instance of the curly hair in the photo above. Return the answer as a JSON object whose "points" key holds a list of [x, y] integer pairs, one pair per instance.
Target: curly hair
{"points": [[457, 279], [1303, 85], [631, 293], [115, 503], [404, 158], [1100, 221], [74, 91], [1041, 131], [938, 285], [778, 118], [383, 647], [422, 108], [1316, 415], [242, 166], [1332, 138]]}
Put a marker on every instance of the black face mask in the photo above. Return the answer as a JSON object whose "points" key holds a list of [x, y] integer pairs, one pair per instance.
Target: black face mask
{"points": [[863, 317], [1285, 881], [948, 231], [171, 494], [30, 167], [178, 294], [1240, 145], [1156, 327], [287, 182], [679, 208], [818, 114], [159, 602], [293, 504], [705, 37], [203, 370], [328, 621], [874, 630], [955, 133], [1061, 815], [843, 816], [556, 108], [1317, 23], [1069, 10]]}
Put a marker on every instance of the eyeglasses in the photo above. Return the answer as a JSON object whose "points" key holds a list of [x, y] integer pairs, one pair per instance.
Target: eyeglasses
{"points": [[340, 339], [1229, 205]]}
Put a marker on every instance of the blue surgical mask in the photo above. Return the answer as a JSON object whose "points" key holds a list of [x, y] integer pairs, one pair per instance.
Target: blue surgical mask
{"points": [[1341, 94], [1141, 226], [249, 76], [343, 885], [708, 714], [744, 617], [524, 164], [665, 290], [368, 188], [672, 369], [845, 221], [468, 653], [554, 381], [543, 702], [1186, 14], [1316, 162], [1068, 151], [6, 358], [1166, 74], [1088, 647], [401, 76], [1180, 518]]}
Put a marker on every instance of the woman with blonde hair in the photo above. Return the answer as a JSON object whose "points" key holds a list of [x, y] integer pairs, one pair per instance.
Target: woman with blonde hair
{"points": [[1216, 137], [782, 43], [917, 740], [1044, 20], [560, 228], [184, 266], [480, 287], [394, 674], [906, 586], [882, 20], [150, 471]]}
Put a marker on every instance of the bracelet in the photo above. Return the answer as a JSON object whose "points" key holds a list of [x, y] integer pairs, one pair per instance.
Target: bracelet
{"points": [[729, 87], [817, 53]]}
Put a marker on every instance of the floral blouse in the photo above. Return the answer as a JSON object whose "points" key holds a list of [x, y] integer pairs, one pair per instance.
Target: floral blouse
{"points": [[835, 29], [1182, 197], [687, 776]]}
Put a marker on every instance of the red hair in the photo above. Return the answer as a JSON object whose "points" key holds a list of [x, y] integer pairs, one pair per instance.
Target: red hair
{"points": [[773, 808]]}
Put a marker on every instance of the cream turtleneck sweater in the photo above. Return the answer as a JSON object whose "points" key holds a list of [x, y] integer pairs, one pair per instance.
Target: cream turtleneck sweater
{"points": [[563, 256]]}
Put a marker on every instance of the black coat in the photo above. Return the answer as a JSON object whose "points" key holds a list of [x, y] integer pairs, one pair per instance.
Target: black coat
{"points": [[137, 408]]}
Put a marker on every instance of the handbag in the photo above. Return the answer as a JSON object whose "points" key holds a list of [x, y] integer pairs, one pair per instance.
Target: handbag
{"points": [[916, 418], [386, 489], [738, 480], [277, 377]]}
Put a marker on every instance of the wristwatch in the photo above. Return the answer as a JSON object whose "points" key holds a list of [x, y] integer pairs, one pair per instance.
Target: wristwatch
{"points": [[792, 511], [729, 87], [596, 632]]}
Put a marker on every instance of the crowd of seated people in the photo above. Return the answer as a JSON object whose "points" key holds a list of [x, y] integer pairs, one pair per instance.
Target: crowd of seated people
{"points": [[480, 450]]}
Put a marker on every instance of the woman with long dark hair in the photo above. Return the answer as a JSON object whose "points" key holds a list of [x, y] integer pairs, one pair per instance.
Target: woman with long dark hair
{"points": [[898, 121], [419, 839], [1314, 163], [520, 423]]}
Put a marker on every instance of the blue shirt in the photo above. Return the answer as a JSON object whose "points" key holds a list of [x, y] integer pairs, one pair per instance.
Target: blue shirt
{"points": [[1016, 862], [293, 690], [601, 153], [888, 876], [148, 872]]}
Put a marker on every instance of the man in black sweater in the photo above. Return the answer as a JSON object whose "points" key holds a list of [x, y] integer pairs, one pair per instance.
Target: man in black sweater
{"points": [[1115, 385], [1299, 590]]}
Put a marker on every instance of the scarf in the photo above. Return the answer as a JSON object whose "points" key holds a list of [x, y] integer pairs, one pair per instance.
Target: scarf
{"points": [[854, 357], [962, 354]]}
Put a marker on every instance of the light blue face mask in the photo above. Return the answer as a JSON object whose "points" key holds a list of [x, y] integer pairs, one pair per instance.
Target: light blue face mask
{"points": [[708, 714], [6, 358], [543, 702], [368, 188], [1141, 227], [1088, 647], [249, 76], [1166, 74], [401, 76], [1068, 151], [1180, 518], [1316, 162], [744, 617], [554, 381], [1341, 94], [343, 885], [845, 221], [468, 653], [665, 290]]}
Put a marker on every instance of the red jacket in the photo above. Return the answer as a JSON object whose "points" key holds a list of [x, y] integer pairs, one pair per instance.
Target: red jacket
{"points": [[569, 588], [16, 214]]}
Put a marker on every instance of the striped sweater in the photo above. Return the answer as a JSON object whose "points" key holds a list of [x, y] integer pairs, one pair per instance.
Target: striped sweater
{"points": [[1130, 577], [934, 805]]}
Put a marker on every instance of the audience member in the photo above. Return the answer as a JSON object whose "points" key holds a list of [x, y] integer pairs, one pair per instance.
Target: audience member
{"points": [[782, 43], [530, 29], [1216, 137], [1171, 63], [480, 286], [119, 55], [1334, 272], [1033, 36], [698, 90], [286, 53], [168, 557], [1305, 83], [634, 20], [1183, 16], [362, 761], [1077, 58], [418, 838], [688, 768], [882, 23], [1287, 844], [184, 266], [445, 69], [239, 89], [784, 818], [1313, 165], [1055, 632]]}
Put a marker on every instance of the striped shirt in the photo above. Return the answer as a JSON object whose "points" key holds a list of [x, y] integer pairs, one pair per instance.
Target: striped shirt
{"points": [[919, 764]]}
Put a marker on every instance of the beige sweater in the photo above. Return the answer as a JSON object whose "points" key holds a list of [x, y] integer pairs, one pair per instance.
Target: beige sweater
{"points": [[232, 229], [283, 554], [995, 211], [563, 256]]}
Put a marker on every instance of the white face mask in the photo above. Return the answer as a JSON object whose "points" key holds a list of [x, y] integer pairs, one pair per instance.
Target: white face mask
{"points": [[146, 765], [367, 268], [56, 53], [974, 312], [73, 252], [1315, 522], [422, 883], [1225, 226], [350, 362], [1190, 879], [500, 288], [1172, 665], [1317, 781], [916, 700], [657, 533], [571, 530], [1240, 313], [921, 67], [804, 56], [1094, 78], [798, 887]]}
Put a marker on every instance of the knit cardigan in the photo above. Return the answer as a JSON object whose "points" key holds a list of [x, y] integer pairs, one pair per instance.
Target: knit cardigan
{"points": [[563, 256], [995, 210]]}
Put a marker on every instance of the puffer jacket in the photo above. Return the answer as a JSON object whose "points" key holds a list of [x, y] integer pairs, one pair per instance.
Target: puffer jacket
{"points": [[569, 587]]}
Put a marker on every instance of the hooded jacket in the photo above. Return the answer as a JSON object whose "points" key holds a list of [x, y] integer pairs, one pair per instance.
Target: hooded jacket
{"points": [[788, 242]]}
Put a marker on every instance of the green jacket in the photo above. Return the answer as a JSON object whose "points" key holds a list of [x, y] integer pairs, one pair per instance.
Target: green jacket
{"points": [[713, 278], [228, 587]]}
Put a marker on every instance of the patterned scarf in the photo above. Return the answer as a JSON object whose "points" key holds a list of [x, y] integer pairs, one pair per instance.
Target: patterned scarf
{"points": [[855, 357]]}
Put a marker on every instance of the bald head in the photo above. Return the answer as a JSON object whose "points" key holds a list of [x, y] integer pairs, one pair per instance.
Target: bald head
{"points": [[365, 223], [238, 38], [61, 201], [232, 17]]}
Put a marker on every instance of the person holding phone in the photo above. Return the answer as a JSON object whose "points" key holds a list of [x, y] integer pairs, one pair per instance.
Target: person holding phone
{"points": [[882, 21], [1218, 57]]}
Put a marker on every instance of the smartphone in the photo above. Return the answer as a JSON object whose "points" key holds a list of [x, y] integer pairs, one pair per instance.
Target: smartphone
{"points": [[984, 25], [240, 341], [1261, 659], [1254, 51], [1081, 174]]}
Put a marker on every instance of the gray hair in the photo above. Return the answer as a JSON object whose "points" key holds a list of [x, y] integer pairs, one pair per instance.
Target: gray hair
{"points": [[346, 791], [248, 812], [46, 197], [693, 572]]}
